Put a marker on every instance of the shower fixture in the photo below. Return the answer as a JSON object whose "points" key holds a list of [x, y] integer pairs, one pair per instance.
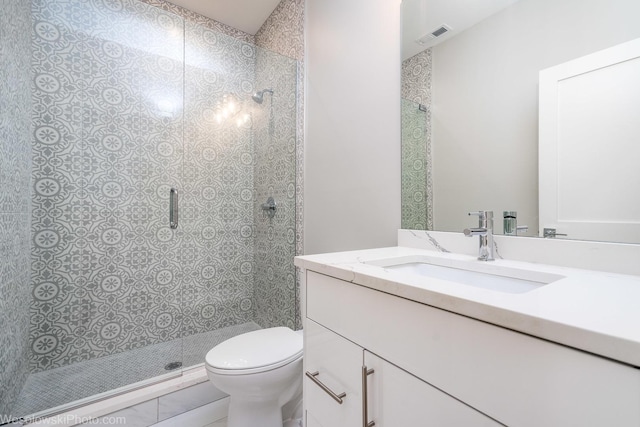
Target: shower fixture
{"points": [[259, 96]]}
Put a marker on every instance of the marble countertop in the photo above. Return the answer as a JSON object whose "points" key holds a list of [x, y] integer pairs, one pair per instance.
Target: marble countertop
{"points": [[597, 312]]}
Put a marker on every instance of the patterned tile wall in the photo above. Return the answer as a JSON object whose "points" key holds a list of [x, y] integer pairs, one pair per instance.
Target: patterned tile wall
{"points": [[299, 186], [275, 176], [416, 78], [218, 191], [107, 146], [283, 32], [15, 206], [108, 273], [416, 213], [196, 18], [417, 186]]}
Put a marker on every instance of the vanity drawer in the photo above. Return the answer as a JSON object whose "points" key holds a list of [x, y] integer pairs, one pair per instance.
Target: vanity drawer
{"points": [[338, 363], [516, 379]]}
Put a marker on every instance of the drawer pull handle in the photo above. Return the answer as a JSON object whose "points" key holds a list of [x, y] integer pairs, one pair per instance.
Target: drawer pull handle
{"points": [[337, 397], [365, 398]]}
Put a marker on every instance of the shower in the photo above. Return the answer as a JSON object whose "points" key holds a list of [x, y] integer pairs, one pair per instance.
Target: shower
{"points": [[259, 96], [124, 285]]}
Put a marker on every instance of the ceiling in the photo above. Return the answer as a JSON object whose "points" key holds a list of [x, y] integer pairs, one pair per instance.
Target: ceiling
{"points": [[421, 17], [245, 15]]}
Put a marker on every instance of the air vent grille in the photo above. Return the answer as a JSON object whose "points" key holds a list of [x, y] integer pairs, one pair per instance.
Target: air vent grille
{"points": [[438, 32]]}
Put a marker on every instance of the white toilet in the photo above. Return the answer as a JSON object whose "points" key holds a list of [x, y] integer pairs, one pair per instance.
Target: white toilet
{"points": [[262, 372]]}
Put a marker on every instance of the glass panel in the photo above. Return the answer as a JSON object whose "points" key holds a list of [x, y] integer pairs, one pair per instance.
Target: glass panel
{"points": [[15, 199], [155, 306], [275, 176], [238, 261], [217, 248], [112, 81]]}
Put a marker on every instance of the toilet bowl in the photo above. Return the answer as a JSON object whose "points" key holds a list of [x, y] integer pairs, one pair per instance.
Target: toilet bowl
{"points": [[261, 371]]}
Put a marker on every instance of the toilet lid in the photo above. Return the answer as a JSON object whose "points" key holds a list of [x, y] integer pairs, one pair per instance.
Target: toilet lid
{"points": [[271, 348]]}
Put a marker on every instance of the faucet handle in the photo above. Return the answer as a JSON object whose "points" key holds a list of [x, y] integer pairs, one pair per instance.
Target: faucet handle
{"points": [[470, 232], [550, 233], [483, 215]]}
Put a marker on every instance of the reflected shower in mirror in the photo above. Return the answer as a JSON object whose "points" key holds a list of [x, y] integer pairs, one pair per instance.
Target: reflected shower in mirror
{"points": [[478, 82], [416, 185]]}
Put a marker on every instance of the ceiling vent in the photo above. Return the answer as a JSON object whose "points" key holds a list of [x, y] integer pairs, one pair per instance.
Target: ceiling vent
{"points": [[438, 32]]}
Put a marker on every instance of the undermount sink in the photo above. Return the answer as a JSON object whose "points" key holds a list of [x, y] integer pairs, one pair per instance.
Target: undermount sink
{"points": [[479, 274]]}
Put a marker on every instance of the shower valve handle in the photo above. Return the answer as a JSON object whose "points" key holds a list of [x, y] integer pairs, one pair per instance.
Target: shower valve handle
{"points": [[269, 207]]}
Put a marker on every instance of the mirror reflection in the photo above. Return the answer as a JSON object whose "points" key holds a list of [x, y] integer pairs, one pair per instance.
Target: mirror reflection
{"points": [[470, 107]]}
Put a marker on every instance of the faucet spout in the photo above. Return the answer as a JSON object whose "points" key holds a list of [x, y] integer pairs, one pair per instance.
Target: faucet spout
{"points": [[485, 233]]}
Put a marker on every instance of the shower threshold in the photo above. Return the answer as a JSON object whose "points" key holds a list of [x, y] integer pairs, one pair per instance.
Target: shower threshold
{"points": [[55, 390]]}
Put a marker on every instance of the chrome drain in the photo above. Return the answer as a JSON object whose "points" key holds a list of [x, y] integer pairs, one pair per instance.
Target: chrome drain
{"points": [[173, 365]]}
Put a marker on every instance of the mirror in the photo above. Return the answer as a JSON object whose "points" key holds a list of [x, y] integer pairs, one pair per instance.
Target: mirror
{"points": [[470, 76]]}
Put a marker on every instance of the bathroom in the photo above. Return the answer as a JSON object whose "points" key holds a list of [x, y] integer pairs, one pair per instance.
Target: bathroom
{"points": [[109, 105]]}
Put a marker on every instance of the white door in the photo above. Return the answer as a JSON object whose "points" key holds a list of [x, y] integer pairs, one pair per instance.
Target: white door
{"points": [[397, 398], [589, 177]]}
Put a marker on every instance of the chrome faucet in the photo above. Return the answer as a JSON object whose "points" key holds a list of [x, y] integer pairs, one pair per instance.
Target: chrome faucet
{"points": [[485, 231]]}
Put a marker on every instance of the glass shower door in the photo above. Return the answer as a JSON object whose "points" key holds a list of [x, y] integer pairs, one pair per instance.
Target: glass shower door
{"points": [[111, 77], [158, 298], [133, 129]]}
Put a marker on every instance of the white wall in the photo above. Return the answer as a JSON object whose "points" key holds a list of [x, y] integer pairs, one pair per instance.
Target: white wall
{"points": [[352, 124], [485, 101]]}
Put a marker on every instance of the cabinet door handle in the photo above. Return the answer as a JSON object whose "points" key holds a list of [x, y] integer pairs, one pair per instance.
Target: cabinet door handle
{"points": [[365, 398], [337, 397], [173, 208]]}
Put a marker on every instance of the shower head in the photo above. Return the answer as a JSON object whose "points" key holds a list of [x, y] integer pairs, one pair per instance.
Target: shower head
{"points": [[259, 96]]}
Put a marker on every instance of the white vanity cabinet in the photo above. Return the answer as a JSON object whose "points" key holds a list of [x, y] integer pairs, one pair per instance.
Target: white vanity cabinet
{"points": [[434, 367], [393, 397], [397, 398], [337, 362]]}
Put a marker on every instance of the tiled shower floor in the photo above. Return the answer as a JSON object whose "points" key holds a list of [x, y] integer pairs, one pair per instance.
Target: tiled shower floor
{"points": [[55, 387]]}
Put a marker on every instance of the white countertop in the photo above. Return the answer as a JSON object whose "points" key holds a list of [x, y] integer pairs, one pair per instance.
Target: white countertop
{"points": [[597, 312]]}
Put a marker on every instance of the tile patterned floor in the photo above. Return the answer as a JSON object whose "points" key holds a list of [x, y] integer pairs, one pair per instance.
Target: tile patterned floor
{"points": [[48, 389]]}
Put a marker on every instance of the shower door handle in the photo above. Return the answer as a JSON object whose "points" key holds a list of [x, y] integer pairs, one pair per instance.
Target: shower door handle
{"points": [[173, 208]]}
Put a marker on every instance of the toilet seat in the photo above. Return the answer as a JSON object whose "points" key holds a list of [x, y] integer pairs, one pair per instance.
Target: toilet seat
{"points": [[254, 352]]}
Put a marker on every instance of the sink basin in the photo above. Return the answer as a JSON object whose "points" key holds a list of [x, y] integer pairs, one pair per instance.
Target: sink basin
{"points": [[479, 274]]}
